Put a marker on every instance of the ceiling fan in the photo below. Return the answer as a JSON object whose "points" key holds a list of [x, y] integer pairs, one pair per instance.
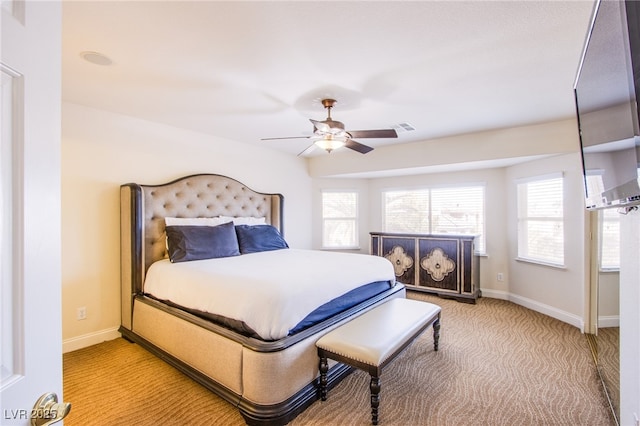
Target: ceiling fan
{"points": [[330, 134]]}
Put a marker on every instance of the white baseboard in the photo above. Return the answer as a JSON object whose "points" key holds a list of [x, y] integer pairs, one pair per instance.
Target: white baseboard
{"points": [[534, 305], [495, 294], [90, 339], [608, 321]]}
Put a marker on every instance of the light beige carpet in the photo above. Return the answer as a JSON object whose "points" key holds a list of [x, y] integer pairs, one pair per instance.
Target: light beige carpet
{"points": [[609, 359], [498, 364]]}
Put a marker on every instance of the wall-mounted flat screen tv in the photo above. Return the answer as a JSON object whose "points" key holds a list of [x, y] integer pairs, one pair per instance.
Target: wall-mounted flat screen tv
{"points": [[606, 92]]}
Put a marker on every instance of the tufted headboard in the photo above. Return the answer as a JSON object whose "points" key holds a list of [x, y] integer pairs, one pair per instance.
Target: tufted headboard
{"points": [[144, 207]]}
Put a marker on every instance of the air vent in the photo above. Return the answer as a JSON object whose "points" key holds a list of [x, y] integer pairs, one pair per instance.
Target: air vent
{"points": [[403, 127]]}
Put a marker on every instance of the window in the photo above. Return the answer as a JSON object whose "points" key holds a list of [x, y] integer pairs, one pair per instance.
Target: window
{"points": [[339, 219], [541, 220], [446, 210]]}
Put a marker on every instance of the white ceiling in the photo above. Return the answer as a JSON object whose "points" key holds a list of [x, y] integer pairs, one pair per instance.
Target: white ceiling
{"points": [[250, 70]]}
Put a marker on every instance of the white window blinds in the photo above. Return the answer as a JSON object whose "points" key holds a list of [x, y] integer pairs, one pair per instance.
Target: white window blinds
{"points": [[406, 211], [541, 220], [446, 210]]}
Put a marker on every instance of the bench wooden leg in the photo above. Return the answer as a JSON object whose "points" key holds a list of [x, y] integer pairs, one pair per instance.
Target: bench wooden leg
{"points": [[375, 398], [324, 368], [436, 334]]}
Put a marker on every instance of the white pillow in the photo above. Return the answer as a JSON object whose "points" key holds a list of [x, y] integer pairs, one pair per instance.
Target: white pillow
{"points": [[246, 220], [196, 221]]}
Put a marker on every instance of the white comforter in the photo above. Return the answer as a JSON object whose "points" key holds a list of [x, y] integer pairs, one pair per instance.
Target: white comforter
{"points": [[270, 291]]}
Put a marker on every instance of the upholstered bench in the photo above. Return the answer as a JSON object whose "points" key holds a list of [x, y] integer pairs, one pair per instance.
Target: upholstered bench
{"points": [[372, 340]]}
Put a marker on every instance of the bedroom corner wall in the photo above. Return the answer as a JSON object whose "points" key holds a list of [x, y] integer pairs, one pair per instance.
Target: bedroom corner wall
{"points": [[557, 292], [101, 151]]}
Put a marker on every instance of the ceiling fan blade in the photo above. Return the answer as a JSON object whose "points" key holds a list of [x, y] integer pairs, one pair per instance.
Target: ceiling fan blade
{"points": [[307, 150], [382, 133], [357, 146], [286, 137]]}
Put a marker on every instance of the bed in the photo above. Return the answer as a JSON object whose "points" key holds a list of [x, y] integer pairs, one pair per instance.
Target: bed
{"points": [[264, 361]]}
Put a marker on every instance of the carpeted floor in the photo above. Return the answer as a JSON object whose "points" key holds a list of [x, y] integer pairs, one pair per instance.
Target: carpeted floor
{"points": [[609, 360], [498, 364]]}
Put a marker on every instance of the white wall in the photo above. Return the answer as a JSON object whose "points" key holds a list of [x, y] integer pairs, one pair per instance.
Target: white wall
{"points": [[557, 292], [608, 299], [630, 319], [100, 152]]}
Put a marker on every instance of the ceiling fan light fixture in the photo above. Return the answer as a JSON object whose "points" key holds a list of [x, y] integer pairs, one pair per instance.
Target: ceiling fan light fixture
{"points": [[329, 142]]}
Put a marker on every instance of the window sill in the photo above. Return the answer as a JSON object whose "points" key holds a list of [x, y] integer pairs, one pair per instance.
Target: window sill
{"points": [[340, 248], [541, 263]]}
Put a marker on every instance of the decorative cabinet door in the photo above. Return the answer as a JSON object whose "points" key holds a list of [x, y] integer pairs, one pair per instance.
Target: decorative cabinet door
{"points": [[401, 252], [439, 264]]}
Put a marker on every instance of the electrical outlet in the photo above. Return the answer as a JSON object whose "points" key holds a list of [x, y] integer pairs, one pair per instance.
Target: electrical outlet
{"points": [[81, 313], [500, 276]]}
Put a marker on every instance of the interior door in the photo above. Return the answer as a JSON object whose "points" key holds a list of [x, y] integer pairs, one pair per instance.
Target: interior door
{"points": [[30, 269]]}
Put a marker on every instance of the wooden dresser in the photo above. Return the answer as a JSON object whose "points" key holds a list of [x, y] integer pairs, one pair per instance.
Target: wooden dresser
{"points": [[441, 264]]}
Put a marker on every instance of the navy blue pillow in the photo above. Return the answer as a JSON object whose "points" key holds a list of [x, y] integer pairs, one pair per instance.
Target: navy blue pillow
{"points": [[201, 242], [256, 238]]}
